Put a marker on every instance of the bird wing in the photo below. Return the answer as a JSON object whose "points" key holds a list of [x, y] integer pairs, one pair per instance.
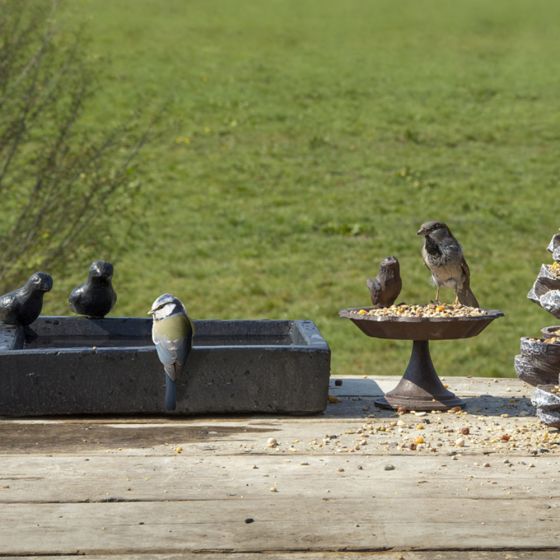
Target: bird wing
{"points": [[374, 289], [9, 307], [466, 273], [170, 353], [75, 297], [426, 258], [166, 350], [173, 353]]}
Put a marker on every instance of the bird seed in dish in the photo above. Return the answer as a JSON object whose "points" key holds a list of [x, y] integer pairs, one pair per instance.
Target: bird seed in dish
{"points": [[551, 340], [429, 310], [554, 269]]}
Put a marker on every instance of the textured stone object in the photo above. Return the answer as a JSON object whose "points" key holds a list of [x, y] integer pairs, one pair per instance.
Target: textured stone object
{"points": [[110, 366], [546, 291], [538, 363], [547, 403], [554, 247]]}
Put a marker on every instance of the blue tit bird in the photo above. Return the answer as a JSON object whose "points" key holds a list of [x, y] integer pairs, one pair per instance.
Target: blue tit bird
{"points": [[172, 333]]}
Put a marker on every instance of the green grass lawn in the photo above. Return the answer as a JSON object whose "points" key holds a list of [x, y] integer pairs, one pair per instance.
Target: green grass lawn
{"points": [[315, 136]]}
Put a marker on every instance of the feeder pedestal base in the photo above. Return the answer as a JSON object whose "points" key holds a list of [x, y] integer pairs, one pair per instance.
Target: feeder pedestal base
{"points": [[420, 387]]}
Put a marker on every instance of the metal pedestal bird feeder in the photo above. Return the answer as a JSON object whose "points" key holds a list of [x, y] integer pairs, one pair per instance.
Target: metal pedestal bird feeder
{"points": [[420, 387]]}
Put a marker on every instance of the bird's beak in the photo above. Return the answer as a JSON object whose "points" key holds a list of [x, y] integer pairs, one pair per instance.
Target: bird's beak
{"points": [[420, 232], [150, 312], [96, 270]]}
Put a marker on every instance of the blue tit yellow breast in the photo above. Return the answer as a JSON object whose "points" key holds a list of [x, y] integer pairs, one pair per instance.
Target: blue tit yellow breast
{"points": [[173, 327]]}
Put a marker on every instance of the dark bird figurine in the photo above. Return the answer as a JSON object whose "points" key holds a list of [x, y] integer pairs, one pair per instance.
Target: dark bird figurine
{"points": [[443, 256], [96, 297], [172, 333], [23, 306], [386, 286]]}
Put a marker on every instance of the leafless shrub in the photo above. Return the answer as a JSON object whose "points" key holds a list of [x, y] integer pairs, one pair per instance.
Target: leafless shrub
{"points": [[61, 183]]}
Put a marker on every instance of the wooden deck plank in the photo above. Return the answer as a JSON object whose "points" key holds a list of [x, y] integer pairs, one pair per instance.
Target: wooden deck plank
{"points": [[172, 488], [341, 432], [25, 479], [429, 523], [399, 555]]}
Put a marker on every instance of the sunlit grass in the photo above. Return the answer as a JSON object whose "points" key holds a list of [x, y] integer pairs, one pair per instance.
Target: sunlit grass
{"points": [[316, 136]]}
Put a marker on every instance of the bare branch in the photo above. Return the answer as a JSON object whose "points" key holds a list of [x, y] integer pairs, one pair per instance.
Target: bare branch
{"points": [[59, 180]]}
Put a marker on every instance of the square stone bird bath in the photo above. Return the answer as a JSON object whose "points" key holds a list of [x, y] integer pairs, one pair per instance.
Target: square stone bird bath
{"points": [[109, 366]]}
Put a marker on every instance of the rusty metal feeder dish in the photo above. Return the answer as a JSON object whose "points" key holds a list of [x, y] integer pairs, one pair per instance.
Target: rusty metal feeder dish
{"points": [[420, 387]]}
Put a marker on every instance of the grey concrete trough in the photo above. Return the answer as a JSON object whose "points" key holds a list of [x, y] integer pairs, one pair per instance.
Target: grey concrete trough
{"points": [[110, 366]]}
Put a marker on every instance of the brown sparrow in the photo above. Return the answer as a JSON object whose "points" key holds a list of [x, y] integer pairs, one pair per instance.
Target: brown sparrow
{"points": [[443, 255], [385, 288]]}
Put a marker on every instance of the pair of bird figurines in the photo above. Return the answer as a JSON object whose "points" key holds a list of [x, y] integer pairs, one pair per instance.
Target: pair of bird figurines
{"points": [[443, 256], [95, 298]]}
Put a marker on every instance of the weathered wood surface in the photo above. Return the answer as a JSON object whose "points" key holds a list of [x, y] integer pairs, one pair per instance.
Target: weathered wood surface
{"points": [[398, 555], [352, 483]]}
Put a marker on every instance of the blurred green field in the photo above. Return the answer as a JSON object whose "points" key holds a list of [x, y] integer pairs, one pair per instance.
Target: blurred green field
{"points": [[315, 137]]}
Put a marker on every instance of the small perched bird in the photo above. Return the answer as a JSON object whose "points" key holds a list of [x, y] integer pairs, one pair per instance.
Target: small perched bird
{"points": [[444, 258], [172, 333], [386, 286], [96, 297], [23, 306]]}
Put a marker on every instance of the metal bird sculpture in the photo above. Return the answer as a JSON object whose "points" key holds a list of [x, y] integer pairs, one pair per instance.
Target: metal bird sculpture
{"points": [[96, 297], [172, 333], [23, 306], [385, 288], [443, 256]]}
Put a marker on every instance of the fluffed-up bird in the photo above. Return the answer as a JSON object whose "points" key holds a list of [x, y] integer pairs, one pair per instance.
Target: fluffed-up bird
{"points": [[96, 297], [172, 333], [443, 256], [385, 288], [23, 306]]}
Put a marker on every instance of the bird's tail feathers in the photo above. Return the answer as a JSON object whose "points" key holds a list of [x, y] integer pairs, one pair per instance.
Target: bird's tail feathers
{"points": [[466, 297], [170, 393]]}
